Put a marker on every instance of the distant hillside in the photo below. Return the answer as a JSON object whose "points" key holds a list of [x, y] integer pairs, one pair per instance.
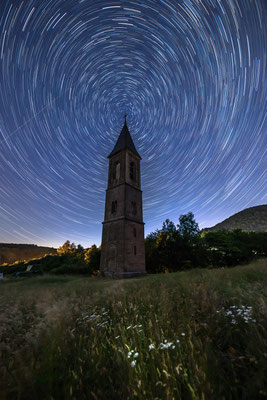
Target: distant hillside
{"points": [[250, 219], [10, 252]]}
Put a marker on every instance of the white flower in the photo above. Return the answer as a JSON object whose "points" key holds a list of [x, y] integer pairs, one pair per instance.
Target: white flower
{"points": [[183, 334], [177, 341], [117, 337], [128, 327], [135, 355], [130, 354], [151, 346], [165, 345], [173, 347], [133, 364]]}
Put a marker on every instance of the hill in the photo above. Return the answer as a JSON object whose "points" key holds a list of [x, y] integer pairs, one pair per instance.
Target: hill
{"points": [[10, 252], [250, 219]]}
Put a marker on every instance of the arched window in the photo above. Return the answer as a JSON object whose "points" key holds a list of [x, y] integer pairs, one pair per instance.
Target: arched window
{"points": [[116, 170], [110, 171], [132, 171], [114, 207], [134, 208]]}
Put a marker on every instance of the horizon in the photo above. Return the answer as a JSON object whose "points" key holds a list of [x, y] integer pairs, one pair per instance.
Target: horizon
{"points": [[192, 78], [86, 245]]}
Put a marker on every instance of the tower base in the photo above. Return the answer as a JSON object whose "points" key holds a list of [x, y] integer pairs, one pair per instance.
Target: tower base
{"points": [[124, 275]]}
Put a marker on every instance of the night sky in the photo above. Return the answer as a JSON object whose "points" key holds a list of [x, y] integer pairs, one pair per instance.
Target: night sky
{"points": [[192, 77]]}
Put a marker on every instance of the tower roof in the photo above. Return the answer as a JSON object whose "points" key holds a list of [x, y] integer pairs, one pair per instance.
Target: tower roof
{"points": [[124, 141]]}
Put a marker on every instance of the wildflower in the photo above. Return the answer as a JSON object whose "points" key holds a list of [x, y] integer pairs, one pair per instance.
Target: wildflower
{"points": [[136, 355], [130, 353], [177, 341], [173, 347], [117, 337], [165, 345], [183, 334], [151, 346], [133, 364], [128, 327]]}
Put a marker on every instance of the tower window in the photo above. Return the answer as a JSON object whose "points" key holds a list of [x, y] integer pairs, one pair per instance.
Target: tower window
{"points": [[134, 232], [116, 171], [132, 171], [134, 208], [114, 207], [135, 250]]}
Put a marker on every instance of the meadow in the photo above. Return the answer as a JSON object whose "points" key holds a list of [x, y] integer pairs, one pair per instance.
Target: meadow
{"points": [[197, 334]]}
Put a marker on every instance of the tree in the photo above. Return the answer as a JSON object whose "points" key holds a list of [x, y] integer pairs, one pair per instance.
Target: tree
{"points": [[80, 248], [161, 248], [92, 257], [67, 248], [187, 226], [152, 254], [168, 227]]}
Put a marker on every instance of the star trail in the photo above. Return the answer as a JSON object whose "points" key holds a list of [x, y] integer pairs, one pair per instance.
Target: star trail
{"points": [[192, 77]]}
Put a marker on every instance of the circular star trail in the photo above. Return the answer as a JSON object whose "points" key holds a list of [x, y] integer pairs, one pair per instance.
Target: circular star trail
{"points": [[191, 75]]}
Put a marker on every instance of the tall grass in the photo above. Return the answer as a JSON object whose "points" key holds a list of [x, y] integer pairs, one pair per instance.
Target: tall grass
{"points": [[199, 334]]}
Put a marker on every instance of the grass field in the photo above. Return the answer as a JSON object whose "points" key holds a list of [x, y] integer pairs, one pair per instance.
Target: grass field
{"points": [[200, 334]]}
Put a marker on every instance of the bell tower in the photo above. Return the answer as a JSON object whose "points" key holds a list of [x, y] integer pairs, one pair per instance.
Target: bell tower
{"points": [[122, 248]]}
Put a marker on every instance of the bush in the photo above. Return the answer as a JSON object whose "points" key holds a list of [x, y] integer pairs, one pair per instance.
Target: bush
{"points": [[71, 269]]}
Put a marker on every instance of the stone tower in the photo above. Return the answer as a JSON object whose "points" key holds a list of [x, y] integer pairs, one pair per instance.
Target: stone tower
{"points": [[122, 249]]}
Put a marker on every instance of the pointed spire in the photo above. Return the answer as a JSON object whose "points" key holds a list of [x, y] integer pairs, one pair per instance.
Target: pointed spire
{"points": [[124, 141]]}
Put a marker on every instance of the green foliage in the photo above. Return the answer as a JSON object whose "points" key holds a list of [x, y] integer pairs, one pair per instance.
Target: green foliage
{"points": [[71, 268], [228, 248], [69, 260], [176, 248], [92, 257], [63, 337], [67, 248], [188, 227], [12, 268]]}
